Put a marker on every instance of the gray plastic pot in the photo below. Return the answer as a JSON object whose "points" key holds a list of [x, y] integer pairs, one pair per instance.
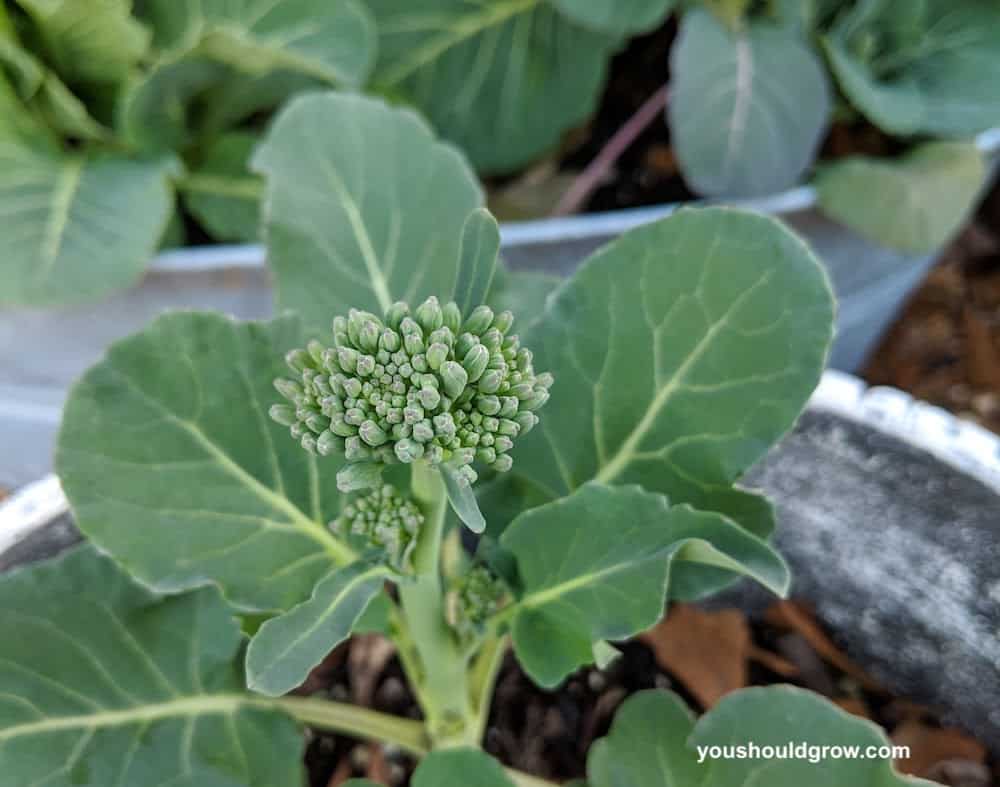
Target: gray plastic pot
{"points": [[887, 514], [43, 351]]}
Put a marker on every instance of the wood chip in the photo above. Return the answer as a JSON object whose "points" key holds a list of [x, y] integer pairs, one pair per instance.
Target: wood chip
{"points": [[378, 767], [854, 706], [706, 651], [930, 746], [788, 614], [342, 773], [774, 662]]}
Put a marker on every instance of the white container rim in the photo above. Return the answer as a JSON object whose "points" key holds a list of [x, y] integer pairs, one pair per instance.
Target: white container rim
{"points": [[530, 233]]}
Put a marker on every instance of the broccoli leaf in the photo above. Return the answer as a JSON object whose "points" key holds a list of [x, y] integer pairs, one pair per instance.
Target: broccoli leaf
{"points": [[171, 463], [654, 740], [104, 682], [503, 79], [747, 109], [362, 217], [681, 352], [82, 225], [596, 565], [914, 203]]}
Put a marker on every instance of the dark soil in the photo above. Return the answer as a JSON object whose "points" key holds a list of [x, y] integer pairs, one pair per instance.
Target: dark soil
{"points": [[945, 346], [548, 733]]}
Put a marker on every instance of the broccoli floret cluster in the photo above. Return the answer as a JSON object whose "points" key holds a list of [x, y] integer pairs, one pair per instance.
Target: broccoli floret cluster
{"points": [[477, 595], [382, 519], [430, 385]]}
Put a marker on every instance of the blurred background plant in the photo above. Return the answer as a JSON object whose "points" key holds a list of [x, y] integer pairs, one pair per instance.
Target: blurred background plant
{"points": [[127, 125]]}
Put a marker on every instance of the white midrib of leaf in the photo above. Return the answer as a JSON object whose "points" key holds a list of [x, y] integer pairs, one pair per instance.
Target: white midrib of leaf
{"points": [[629, 448], [741, 106], [185, 707], [493, 14], [379, 284], [62, 200]]}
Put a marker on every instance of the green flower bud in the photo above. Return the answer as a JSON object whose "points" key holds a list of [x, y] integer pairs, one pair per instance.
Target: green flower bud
{"points": [[369, 335], [429, 398], [327, 443], [490, 382], [396, 313], [451, 316], [414, 387], [298, 361], [454, 378], [372, 434], [289, 389], [480, 319], [408, 451], [383, 520], [488, 405], [347, 359], [473, 599], [429, 315], [475, 361], [503, 463], [437, 354], [282, 413], [503, 321]]}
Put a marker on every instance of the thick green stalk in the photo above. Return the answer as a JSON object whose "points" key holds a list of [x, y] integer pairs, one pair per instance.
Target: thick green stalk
{"points": [[442, 682], [354, 721]]}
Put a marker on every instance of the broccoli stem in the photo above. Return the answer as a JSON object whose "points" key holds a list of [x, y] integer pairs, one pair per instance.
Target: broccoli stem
{"points": [[442, 684]]}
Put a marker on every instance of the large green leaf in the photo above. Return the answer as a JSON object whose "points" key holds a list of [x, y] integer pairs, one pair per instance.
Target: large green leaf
{"points": [[596, 565], [941, 80], [681, 352], [654, 741], [104, 683], [914, 203], [287, 647], [222, 193], [333, 40], [460, 768], [89, 41], [172, 465], [501, 79], [78, 226], [616, 16], [747, 109], [349, 218]]}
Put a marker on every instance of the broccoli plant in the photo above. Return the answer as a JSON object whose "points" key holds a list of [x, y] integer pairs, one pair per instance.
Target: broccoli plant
{"points": [[753, 92], [464, 480]]}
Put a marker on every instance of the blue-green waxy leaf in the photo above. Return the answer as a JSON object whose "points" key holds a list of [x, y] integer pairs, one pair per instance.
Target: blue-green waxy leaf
{"points": [[747, 109], [87, 41], [287, 647], [937, 75], [460, 768], [478, 257], [348, 220], [655, 741], [79, 225], [596, 565], [914, 203], [332, 40], [172, 465], [616, 16], [681, 352], [503, 80], [105, 683], [463, 501]]}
